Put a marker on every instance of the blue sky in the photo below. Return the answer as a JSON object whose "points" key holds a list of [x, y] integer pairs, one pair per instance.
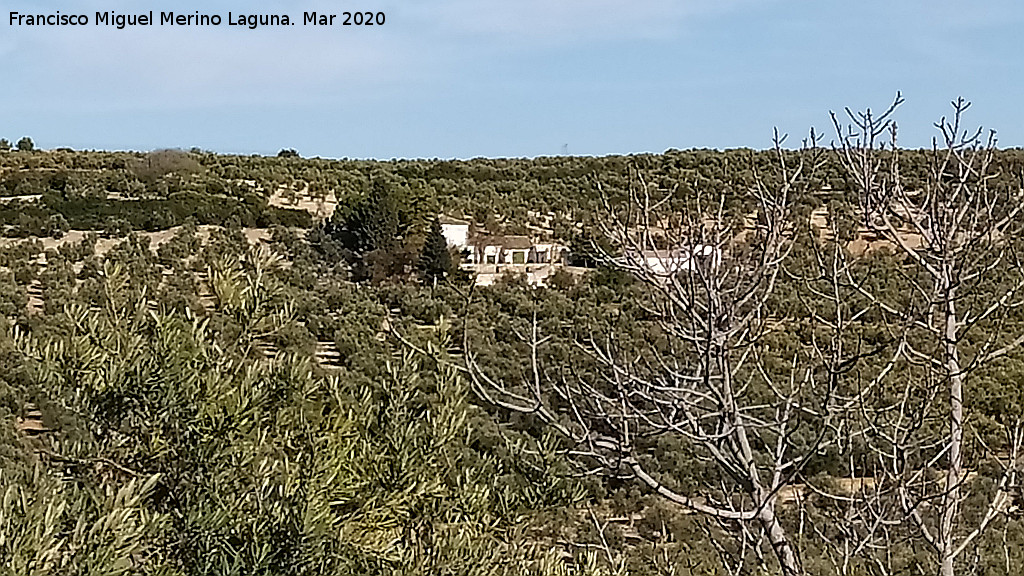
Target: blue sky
{"points": [[468, 78]]}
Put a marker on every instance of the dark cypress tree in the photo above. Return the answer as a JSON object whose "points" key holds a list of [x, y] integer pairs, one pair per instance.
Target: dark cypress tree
{"points": [[435, 260]]}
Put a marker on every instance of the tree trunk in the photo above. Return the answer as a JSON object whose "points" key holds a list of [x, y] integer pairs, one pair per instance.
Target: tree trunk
{"points": [[954, 471], [779, 541]]}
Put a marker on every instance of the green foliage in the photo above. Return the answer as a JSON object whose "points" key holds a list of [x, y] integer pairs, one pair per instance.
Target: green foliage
{"points": [[175, 450], [25, 144], [435, 263], [161, 163], [371, 235], [373, 223], [192, 430], [49, 528], [159, 214]]}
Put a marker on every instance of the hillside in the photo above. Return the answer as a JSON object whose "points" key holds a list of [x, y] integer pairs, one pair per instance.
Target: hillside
{"points": [[250, 365]]}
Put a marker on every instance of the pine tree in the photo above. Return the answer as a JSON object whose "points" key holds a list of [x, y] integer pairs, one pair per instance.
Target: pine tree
{"points": [[374, 223], [435, 260]]}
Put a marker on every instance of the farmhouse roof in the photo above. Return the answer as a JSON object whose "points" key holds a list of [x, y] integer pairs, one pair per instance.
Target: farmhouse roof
{"points": [[517, 243], [445, 219]]}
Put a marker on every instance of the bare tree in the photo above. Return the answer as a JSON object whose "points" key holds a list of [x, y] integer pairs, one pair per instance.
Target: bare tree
{"points": [[709, 266], [955, 234]]}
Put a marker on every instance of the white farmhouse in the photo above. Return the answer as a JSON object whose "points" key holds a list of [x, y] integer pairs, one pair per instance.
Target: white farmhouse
{"points": [[667, 262], [455, 231]]}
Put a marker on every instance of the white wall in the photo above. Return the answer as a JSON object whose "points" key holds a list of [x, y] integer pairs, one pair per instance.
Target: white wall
{"points": [[456, 234], [679, 261]]}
